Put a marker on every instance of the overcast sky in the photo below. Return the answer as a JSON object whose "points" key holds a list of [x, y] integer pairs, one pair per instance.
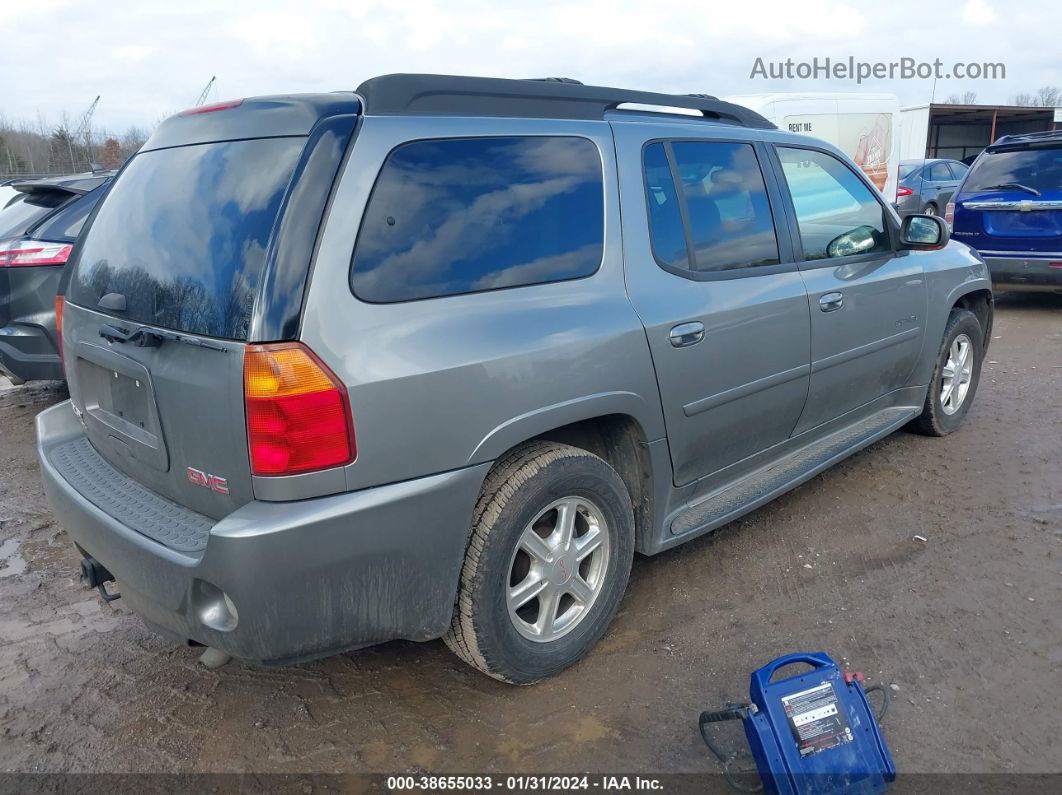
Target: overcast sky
{"points": [[148, 60]]}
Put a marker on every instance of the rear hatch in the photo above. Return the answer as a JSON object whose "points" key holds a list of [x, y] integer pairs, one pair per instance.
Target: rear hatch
{"points": [[1011, 200], [177, 271]]}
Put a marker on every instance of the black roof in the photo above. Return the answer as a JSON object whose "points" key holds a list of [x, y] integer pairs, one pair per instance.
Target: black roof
{"points": [[546, 98]]}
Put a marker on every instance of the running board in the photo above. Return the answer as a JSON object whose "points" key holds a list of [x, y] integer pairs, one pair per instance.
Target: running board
{"points": [[760, 487]]}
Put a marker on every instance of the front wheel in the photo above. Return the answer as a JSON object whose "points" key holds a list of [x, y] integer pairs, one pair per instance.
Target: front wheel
{"points": [[547, 563], [955, 376]]}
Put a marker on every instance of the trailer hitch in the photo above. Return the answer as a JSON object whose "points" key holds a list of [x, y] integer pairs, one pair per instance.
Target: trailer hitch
{"points": [[95, 575]]}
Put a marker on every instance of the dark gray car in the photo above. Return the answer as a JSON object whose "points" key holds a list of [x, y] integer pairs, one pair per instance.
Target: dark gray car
{"points": [[38, 227], [436, 358], [926, 186]]}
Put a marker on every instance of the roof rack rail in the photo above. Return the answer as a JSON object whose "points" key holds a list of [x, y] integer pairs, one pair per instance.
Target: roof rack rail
{"points": [[569, 80], [1043, 135], [549, 98]]}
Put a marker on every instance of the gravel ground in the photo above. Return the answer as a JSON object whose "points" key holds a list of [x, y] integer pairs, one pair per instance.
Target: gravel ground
{"points": [[965, 623]]}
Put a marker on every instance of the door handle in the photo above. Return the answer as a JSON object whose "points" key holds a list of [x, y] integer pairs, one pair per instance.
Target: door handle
{"points": [[831, 302], [686, 334]]}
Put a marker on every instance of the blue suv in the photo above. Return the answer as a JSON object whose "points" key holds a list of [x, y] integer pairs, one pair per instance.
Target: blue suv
{"points": [[1009, 208]]}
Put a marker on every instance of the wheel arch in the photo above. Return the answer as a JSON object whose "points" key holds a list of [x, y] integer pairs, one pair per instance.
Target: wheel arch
{"points": [[980, 303], [619, 438]]}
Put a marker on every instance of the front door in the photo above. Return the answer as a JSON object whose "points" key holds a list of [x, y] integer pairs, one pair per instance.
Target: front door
{"points": [[723, 305], [867, 301]]}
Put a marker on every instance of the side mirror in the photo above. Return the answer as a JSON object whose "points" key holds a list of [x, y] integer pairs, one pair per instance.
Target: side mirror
{"points": [[857, 241], [924, 232]]}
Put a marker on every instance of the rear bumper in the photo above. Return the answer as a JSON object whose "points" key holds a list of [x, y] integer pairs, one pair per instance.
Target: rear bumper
{"points": [[1025, 273], [29, 353], [286, 581]]}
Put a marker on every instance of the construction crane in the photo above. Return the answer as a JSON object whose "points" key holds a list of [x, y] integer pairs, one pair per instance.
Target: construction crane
{"points": [[83, 128], [206, 90]]}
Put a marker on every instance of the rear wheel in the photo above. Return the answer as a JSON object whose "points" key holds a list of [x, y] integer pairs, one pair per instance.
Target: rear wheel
{"points": [[547, 563], [955, 376], [931, 209]]}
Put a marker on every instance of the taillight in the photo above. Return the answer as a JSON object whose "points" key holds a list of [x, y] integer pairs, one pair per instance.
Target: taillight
{"points": [[60, 302], [902, 191], [949, 214], [298, 419], [19, 253]]}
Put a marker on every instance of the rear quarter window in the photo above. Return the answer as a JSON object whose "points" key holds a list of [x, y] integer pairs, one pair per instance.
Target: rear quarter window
{"points": [[454, 216]]}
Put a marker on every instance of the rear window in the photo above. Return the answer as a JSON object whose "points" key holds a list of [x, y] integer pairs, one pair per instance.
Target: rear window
{"points": [[183, 232], [1040, 169], [66, 224], [456, 216], [907, 168], [27, 210]]}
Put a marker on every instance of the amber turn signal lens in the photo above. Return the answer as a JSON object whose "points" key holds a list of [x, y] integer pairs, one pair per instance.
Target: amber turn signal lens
{"points": [[298, 418]]}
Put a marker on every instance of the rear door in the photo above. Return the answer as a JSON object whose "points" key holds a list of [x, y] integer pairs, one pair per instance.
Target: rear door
{"points": [[940, 186], [867, 304], [173, 261], [724, 308], [1011, 201]]}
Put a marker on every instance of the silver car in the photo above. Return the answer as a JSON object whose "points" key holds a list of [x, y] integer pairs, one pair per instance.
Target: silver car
{"points": [[435, 358]]}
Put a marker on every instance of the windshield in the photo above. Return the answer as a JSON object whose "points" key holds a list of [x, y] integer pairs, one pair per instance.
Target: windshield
{"points": [[1039, 169], [183, 232]]}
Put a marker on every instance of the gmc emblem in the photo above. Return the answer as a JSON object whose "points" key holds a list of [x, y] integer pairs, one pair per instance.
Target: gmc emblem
{"points": [[212, 482]]}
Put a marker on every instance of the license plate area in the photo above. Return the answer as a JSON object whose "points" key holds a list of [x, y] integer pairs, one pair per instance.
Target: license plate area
{"points": [[119, 407], [1010, 223]]}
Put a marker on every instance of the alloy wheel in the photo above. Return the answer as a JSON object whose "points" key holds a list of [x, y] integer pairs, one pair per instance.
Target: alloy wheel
{"points": [[558, 569], [957, 375]]}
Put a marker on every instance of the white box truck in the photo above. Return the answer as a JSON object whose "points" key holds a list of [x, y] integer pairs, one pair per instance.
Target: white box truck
{"points": [[866, 127]]}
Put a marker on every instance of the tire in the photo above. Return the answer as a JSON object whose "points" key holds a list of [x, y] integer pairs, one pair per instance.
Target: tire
{"points": [[931, 209], [520, 489], [936, 419]]}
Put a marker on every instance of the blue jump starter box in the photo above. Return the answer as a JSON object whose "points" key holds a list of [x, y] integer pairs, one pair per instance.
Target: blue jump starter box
{"points": [[815, 733]]}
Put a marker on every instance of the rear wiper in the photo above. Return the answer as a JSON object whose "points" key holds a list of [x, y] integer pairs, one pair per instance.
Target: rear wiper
{"points": [[1015, 185], [144, 337]]}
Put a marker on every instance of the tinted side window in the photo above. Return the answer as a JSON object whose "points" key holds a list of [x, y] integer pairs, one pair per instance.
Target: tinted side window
{"points": [[939, 172], [666, 231], [729, 214], [837, 214], [724, 198], [464, 215], [958, 169]]}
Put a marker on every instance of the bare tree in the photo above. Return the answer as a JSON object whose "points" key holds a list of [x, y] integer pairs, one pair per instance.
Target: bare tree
{"points": [[1023, 98], [1048, 96], [966, 98]]}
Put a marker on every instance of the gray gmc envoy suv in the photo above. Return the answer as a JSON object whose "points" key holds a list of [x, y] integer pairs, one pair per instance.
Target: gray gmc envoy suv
{"points": [[435, 358]]}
